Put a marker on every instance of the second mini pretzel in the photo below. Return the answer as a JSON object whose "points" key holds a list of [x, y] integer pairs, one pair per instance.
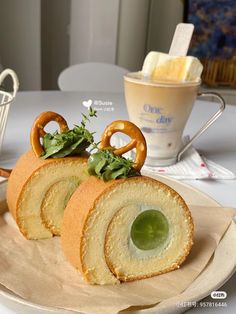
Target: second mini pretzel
{"points": [[137, 140]]}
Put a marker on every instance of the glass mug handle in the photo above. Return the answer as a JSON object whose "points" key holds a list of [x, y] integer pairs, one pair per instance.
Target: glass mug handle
{"points": [[207, 124]]}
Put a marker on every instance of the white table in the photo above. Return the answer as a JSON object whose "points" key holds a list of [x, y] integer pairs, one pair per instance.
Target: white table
{"points": [[217, 144]]}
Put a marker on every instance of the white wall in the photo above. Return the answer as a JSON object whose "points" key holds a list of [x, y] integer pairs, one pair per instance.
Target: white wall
{"points": [[93, 30], [164, 16], [20, 40], [145, 25], [132, 36], [109, 31], [55, 19]]}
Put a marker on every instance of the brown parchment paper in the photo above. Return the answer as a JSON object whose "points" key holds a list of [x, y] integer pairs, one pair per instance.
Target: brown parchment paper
{"points": [[38, 271]]}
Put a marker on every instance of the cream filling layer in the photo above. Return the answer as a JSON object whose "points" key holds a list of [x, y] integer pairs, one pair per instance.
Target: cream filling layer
{"points": [[55, 201], [34, 191]]}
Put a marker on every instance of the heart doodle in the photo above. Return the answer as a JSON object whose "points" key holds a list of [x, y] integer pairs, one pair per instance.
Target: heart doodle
{"points": [[87, 103]]}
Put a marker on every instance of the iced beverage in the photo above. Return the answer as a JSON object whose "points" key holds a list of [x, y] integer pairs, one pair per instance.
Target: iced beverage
{"points": [[160, 99]]}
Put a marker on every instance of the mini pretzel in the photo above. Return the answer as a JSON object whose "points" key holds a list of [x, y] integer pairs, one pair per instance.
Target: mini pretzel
{"points": [[37, 130], [5, 173], [137, 140]]}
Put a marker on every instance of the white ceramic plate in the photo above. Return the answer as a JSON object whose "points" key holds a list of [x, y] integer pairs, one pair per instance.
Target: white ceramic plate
{"points": [[209, 280]]}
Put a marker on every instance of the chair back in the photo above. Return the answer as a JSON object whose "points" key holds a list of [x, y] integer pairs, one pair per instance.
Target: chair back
{"points": [[93, 76]]}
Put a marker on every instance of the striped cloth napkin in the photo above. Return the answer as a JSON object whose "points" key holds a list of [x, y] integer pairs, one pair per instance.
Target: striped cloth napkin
{"points": [[192, 166]]}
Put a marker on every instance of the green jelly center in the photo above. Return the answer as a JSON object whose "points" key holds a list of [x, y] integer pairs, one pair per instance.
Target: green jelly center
{"points": [[149, 230]]}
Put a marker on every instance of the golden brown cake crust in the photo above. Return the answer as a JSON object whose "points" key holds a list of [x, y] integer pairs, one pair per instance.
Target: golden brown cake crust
{"points": [[79, 209], [75, 216], [25, 167]]}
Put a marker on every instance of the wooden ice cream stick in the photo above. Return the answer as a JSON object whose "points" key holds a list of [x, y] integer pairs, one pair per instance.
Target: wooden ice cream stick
{"points": [[181, 39]]}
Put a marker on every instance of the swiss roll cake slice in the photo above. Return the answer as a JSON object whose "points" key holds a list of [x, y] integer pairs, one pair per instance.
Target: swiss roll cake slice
{"points": [[120, 226], [44, 178], [33, 196], [126, 229]]}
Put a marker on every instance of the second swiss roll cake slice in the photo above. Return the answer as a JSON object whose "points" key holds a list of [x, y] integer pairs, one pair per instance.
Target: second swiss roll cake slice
{"points": [[121, 226]]}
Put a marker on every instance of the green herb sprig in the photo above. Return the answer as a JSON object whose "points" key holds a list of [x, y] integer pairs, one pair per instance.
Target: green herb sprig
{"points": [[72, 142], [107, 166]]}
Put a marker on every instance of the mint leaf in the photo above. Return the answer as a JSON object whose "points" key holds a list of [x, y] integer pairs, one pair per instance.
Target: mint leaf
{"points": [[72, 142], [107, 166]]}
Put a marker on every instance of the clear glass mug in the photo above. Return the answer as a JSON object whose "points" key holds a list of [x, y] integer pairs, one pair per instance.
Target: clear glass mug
{"points": [[161, 110]]}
